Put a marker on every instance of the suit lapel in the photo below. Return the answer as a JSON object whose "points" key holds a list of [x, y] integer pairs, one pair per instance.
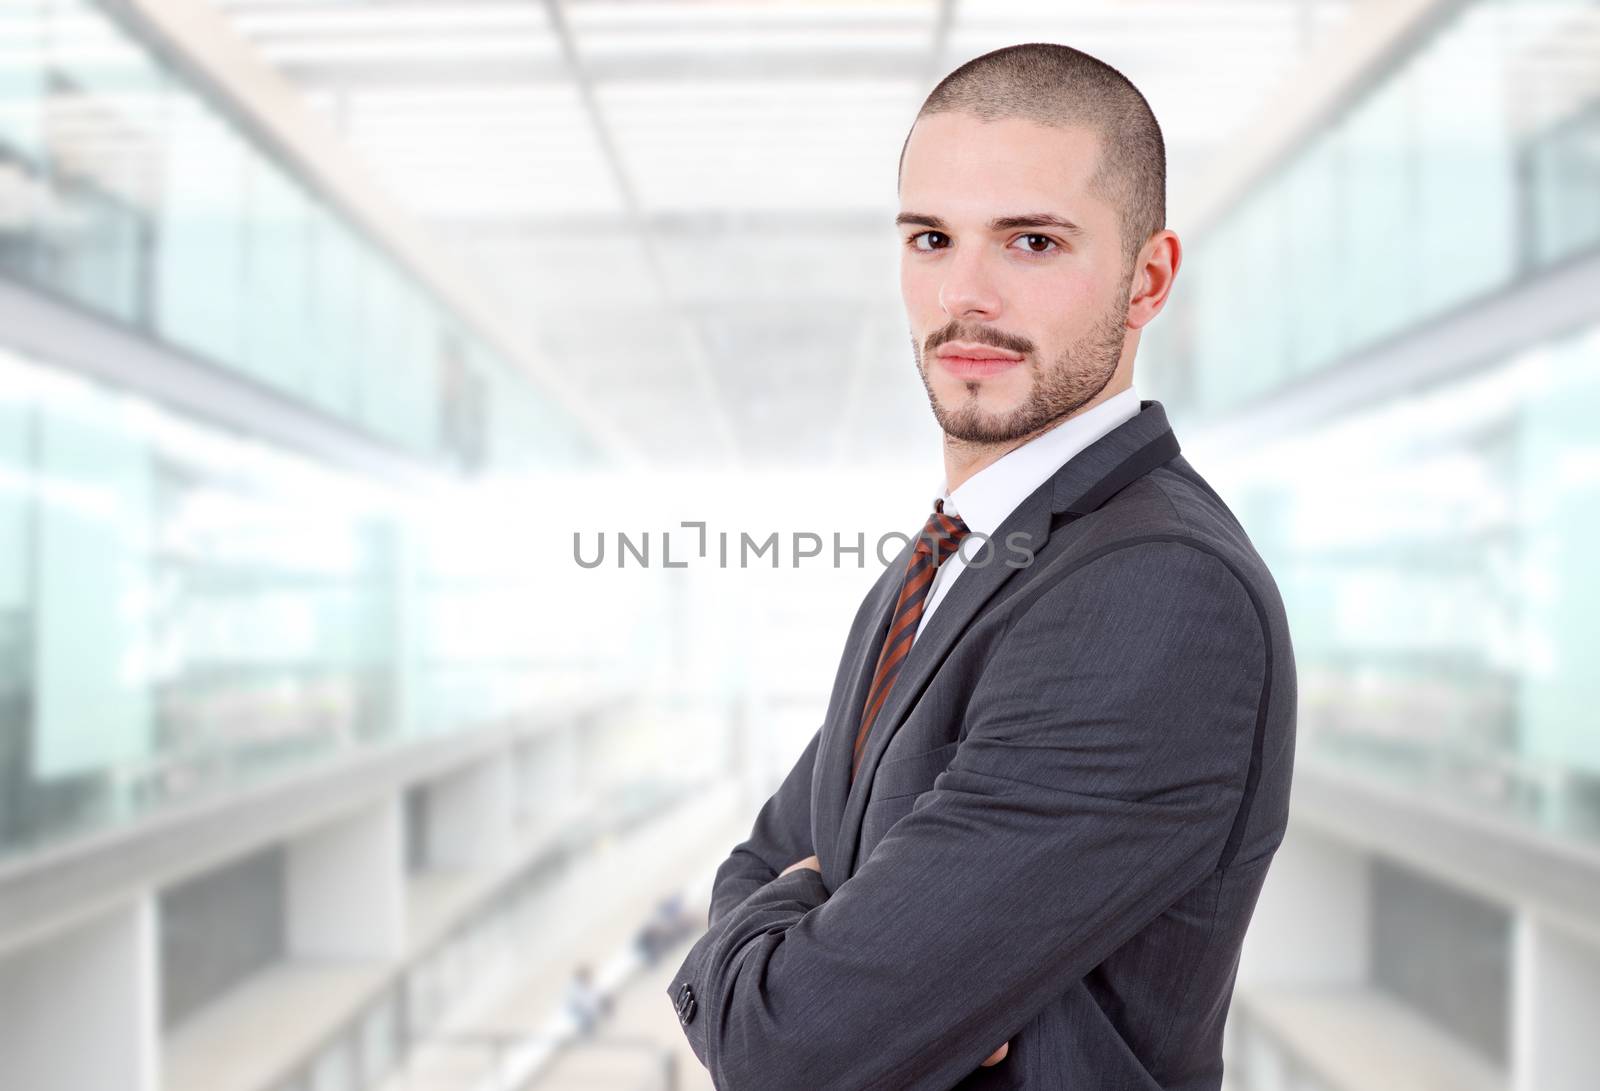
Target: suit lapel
{"points": [[973, 587], [1082, 484], [832, 779]]}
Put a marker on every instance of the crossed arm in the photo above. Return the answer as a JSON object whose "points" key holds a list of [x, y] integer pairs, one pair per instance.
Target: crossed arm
{"points": [[781, 835], [1104, 762]]}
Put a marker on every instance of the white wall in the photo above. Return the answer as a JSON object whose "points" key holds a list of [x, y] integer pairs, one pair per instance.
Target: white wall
{"points": [[79, 1012]]}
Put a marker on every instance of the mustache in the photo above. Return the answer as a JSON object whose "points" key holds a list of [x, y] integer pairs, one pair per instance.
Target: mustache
{"points": [[979, 336]]}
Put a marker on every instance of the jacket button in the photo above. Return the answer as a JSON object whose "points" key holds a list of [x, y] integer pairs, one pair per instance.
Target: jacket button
{"points": [[686, 1004]]}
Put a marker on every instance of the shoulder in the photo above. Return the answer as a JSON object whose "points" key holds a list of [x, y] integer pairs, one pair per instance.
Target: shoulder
{"points": [[1174, 502], [1165, 546]]}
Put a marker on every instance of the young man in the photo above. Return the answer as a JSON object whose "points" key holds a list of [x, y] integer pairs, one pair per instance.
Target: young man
{"points": [[1023, 848]]}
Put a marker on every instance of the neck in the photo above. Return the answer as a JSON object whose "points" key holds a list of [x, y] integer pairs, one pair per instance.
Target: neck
{"points": [[964, 458]]}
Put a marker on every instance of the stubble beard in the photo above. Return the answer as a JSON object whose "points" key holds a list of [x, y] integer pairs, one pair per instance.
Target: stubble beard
{"points": [[1077, 375]]}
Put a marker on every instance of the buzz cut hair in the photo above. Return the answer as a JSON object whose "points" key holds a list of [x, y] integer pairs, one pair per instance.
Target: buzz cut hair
{"points": [[1062, 87]]}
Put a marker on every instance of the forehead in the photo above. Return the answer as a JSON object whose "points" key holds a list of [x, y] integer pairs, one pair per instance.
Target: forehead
{"points": [[957, 161]]}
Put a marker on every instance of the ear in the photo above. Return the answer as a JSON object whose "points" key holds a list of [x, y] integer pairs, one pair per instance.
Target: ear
{"points": [[1153, 273]]}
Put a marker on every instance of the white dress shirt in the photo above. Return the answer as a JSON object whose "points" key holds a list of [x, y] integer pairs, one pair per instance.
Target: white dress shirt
{"points": [[985, 499]]}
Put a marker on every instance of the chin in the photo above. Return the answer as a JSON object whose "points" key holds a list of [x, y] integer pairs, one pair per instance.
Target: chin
{"points": [[990, 406], [986, 420]]}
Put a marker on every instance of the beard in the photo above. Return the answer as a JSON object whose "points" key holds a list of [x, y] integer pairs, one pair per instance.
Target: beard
{"points": [[1072, 380]]}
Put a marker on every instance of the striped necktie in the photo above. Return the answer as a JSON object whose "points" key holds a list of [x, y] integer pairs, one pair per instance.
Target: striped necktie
{"points": [[939, 538]]}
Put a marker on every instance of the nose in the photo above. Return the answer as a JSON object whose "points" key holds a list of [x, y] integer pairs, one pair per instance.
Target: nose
{"points": [[967, 291]]}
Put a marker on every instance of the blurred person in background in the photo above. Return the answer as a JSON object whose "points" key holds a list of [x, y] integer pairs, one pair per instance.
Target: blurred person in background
{"points": [[670, 922], [1024, 846], [586, 1004]]}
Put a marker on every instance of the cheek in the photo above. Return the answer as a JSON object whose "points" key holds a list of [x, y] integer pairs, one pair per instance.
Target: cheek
{"points": [[1068, 289], [919, 288], [1056, 309]]}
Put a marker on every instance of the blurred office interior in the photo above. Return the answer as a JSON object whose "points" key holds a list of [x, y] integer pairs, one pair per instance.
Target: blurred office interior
{"points": [[336, 334]]}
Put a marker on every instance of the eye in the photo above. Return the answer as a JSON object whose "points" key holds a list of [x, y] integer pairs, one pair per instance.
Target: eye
{"points": [[930, 235], [1031, 239]]}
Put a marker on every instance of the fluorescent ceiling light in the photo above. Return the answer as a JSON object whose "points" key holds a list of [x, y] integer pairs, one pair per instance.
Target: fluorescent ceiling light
{"points": [[391, 19], [849, 93], [543, 97], [696, 41], [603, 13], [430, 50]]}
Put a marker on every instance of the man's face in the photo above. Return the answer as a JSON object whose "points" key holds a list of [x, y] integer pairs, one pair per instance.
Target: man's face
{"points": [[1015, 321]]}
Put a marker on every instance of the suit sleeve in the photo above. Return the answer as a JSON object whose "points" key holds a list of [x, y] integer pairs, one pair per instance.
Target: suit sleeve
{"points": [[1106, 749], [781, 835]]}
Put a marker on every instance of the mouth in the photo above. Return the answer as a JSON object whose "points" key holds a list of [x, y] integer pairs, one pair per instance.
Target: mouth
{"points": [[975, 361]]}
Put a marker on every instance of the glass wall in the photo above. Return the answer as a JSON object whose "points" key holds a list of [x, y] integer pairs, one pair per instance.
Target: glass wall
{"points": [[1435, 555], [183, 610], [1473, 163], [129, 193]]}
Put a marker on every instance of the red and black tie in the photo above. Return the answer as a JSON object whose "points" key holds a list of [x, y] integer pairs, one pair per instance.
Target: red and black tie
{"points": [[939, 538]]}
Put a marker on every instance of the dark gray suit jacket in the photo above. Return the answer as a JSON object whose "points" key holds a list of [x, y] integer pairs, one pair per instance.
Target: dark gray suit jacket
{"points": [[1060, 825]]}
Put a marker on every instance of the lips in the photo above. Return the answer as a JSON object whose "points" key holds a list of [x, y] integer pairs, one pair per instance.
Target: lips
{"points": [[969, 351], [967, 361]]}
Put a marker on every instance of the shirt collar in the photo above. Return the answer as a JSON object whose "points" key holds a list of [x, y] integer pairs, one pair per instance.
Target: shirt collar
{"points": [[985, 499]]}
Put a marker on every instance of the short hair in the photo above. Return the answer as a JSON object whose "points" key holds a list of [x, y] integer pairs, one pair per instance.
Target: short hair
{"points": [[1063, 87]]}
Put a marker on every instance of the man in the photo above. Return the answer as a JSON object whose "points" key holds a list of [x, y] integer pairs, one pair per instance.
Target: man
{"points": [[1023, 848]]}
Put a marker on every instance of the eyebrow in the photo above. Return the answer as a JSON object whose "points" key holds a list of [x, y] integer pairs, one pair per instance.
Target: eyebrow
{"points": [[999, 223]]}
